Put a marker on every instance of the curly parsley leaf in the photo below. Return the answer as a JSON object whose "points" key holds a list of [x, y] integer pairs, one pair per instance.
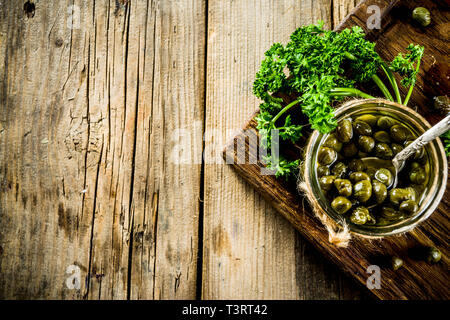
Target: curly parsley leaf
{"points": [[408, 65]]}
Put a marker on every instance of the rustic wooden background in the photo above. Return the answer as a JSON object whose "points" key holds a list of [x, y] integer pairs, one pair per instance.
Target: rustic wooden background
{"points": [[88, 119]]}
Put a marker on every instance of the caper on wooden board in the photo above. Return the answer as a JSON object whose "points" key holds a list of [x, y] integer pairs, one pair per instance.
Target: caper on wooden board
{"points": [[360, 189]]}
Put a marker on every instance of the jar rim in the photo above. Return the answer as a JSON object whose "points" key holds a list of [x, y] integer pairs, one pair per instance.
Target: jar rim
{"points": [[435, 149]]}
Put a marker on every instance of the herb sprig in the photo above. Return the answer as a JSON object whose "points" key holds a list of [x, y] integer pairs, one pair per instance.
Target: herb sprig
{"points": [[320, 67]]}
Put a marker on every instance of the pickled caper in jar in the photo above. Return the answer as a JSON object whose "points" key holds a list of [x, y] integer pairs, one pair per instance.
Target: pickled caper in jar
{"points": [[362, 128], [333, 143], [356, 165], [379, 191], [339, 169], [344, 187], [422, 16], [344, 131], [349, 150], [370, 119], [385, 122], [408, 207], [383, 151], [366, 143], [417, 175], [358, 176], [326, 156], [398, 195], [382, 136], [341, 204], [326, 182], [396, 148], [323, 171], [360, 215], [399, 133], [384, 176], [362, 190]]}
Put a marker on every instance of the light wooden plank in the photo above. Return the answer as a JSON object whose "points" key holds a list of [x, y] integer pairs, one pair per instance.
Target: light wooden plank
{"points": [[249, 252], [167, 188], [43, 228], [87, 122]]}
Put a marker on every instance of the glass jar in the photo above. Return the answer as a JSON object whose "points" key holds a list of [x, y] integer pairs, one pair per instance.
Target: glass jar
{"points": [[437, 181]]}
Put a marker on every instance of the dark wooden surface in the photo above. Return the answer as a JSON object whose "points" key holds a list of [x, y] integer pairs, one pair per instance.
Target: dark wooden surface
{"points": [[417, 279]]}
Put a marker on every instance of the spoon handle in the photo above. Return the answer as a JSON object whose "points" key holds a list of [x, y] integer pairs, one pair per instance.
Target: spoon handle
{"points": [[429, 135]]}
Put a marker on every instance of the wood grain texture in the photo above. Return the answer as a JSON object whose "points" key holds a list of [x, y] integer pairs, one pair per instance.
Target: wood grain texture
{"points": [[87, 120], [417, 279], [248, 251]]}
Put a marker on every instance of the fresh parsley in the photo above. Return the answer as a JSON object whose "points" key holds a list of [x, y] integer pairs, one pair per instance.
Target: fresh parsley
{"points": [[320, 67]]}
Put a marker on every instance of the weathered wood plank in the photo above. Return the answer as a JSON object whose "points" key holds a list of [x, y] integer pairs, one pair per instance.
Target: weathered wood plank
{"points": [[249, 252], [43, 228], [168, 153], [87, 120]]}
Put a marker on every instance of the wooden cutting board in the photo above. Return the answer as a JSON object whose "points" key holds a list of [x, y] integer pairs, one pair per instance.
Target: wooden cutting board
{"points": [[416, 279]]}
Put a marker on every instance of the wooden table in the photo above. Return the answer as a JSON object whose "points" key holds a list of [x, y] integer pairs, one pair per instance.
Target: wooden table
{"points": [[103, 190]]}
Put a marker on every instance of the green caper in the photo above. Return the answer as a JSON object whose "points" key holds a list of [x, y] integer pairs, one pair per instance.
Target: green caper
{"points": [[326, 182], [383, 151], [366, 143], [362, 128], [323, 171], [379, 191], [349, 150], [396, 263], [442, 104], [333, 143], [370, 119], [396, 148], [359, 215], [422, 16], [385, 122], [417, 175], [399, 133], [398, 195], [344, 131], [339, 169], [326, 156], [382, 136], [341, 204], [344, 187], [362, 190], [384, 176], [358, 176], [414, 165], [419, 153], [356, 165], [433, 255], [408, 207]]}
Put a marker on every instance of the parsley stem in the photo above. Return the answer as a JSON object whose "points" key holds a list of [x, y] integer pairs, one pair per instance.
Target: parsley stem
{"points": [[412, 86], [290, 105], [382, 87], [392, 80], [375, 79], [349, 92]]}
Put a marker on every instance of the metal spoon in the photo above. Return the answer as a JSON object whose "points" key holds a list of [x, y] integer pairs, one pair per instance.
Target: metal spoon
{"points": [[398, 162]]}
